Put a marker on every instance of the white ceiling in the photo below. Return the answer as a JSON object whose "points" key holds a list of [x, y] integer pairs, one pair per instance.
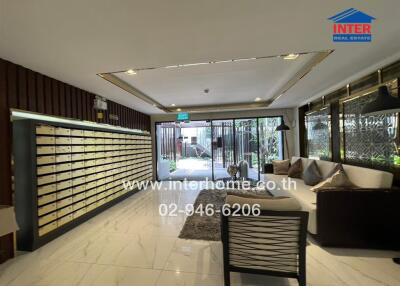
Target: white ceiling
{"points": [[231, 82], [74, 40]]}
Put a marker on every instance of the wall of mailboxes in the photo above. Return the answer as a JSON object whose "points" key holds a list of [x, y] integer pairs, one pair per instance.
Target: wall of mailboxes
{"points": [[71, 174]]}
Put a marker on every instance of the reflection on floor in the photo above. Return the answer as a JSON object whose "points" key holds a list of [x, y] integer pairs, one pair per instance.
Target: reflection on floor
{"points": [[200, 169], [131, 244]]}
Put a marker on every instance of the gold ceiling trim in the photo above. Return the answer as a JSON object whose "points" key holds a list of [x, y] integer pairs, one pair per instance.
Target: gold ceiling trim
{"points": [[315, 60], [132, 90]]}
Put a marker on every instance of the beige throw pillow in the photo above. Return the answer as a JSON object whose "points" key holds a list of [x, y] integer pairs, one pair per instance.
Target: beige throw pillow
{"points": [[272, 204], [338, 180], [281, 167], [336, 168]]}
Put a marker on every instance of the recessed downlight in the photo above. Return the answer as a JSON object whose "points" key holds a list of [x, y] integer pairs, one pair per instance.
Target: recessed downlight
{"points": [[291, 57], [130, 72], [178, 109], [173, 104], [257, 99]]}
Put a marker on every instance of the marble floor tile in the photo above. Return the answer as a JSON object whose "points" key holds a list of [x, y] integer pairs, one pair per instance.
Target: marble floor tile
{"points": [[106, 275], [195, 256], [50, 273], [176, 278], [131, 244], [124, 250]]}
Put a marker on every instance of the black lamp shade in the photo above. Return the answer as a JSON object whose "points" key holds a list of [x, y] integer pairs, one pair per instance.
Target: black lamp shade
{"points": [[282, 127], [319, 125], [383, 104], [219, 142]]}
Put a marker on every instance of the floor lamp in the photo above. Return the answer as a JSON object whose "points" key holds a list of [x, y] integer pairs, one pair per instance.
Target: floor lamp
{"points": [[283, 128]]}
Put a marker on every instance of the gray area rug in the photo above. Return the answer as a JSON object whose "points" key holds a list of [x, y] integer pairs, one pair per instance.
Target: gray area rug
{"points": [[203, 227]]}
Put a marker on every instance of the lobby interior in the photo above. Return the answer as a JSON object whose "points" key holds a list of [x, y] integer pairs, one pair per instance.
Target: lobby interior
{"points": [[118, 116]]}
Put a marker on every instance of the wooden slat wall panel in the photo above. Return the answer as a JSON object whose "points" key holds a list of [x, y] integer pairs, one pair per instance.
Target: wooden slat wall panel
{"points": [[83, 103], [11, 84], [55, 97], [92, 111], [62, 101], [48, 109], [31, 91], [40, 94], [74, 113], [6, 242], [22, 85], [28, 90], [79, 104], [68, 101]]}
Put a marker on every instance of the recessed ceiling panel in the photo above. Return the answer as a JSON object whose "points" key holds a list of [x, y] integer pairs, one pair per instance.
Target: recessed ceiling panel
{"points": [[226, 82]]}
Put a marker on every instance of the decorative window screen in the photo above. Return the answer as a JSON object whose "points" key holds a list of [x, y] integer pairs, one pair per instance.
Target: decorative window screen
{"points": [[318, 128], [369, 140]]}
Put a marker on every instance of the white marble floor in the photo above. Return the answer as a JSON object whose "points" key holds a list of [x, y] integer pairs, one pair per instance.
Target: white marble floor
{"points": [[131, 244]]}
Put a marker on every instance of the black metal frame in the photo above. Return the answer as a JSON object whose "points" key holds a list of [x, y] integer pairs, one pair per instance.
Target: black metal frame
{"points": [[234, 141], [300, 275]]}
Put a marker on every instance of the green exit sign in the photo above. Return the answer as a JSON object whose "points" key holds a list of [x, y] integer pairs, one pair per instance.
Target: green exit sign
{"points": [[183, 116]]}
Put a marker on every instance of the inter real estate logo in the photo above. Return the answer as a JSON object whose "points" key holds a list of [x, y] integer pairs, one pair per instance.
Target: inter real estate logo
{"points": [[351, 25]]}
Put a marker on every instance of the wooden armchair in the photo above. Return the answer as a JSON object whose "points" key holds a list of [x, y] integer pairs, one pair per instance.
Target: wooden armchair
{"points": [[273, 243]]}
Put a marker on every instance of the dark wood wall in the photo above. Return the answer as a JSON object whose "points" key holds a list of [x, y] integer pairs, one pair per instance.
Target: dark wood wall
{"points": [[25, 89]]}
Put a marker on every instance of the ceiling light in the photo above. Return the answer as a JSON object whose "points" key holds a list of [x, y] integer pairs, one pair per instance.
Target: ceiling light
{"points": [[178, 109], [257, 99], [130, 72], [291, 56], [173, 104]]}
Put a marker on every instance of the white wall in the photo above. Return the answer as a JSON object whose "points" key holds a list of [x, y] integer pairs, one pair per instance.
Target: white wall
{"points": [[289, 115]]}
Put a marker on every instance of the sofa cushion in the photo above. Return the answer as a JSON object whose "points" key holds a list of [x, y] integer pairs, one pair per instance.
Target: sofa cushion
{"points": [[360, 176], [296, 169], [336, 168], [337, 181], [281, 167], [272, 204], [298, 190], [311, 175]]}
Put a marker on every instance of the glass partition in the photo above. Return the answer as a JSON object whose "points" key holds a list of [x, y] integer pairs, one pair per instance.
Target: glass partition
{"points": [[369, 140], [318, 130], [271, 141], [205, 149], [223, 147], [246, 145]]}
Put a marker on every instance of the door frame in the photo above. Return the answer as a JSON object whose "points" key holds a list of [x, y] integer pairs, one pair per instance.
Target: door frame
{"points": [[234, 140]]}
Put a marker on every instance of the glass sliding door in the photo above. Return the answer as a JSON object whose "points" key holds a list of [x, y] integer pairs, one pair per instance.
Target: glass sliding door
{"points": [[184, 151], [270, 141], [246, 145], [166, 149], [204, 149], [223, 151], [194, 146]]}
